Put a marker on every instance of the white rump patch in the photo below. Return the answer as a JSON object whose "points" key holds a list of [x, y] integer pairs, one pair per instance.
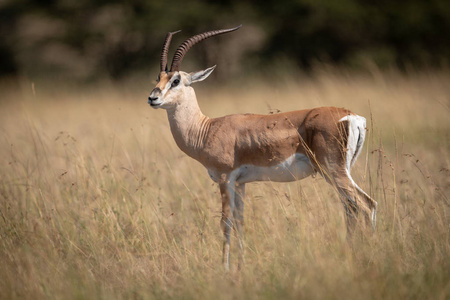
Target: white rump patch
{"points": [[356, 136]]}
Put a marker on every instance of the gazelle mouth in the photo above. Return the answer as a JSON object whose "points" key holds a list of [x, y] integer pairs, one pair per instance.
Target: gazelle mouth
{"points": [[155, 104]]}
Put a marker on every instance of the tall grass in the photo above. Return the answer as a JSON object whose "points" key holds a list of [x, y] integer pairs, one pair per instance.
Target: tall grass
{"points": [[97, 201]]}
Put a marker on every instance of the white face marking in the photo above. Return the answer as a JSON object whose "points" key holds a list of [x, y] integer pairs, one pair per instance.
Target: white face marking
{"points": [[162, 101]]}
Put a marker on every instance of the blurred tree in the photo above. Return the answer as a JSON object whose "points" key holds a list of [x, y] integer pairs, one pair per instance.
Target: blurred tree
{"points": [[389, 32], [86, 40]]}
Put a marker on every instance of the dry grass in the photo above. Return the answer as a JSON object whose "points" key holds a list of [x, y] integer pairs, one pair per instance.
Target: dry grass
{"points": [[96, 200]]}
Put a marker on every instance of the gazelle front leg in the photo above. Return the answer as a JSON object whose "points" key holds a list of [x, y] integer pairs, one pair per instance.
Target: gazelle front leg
{"points": [[227, 193], [238, 215]]}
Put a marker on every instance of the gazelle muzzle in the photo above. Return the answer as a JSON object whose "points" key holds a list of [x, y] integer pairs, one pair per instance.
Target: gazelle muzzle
{"points": [[153, 99]]}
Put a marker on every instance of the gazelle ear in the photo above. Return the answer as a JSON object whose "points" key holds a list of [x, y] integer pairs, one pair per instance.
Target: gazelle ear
{"points": [[201, 75]]}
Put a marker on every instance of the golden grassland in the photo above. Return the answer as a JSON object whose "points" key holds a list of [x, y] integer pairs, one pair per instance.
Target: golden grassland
{"points": [[97, 201]]}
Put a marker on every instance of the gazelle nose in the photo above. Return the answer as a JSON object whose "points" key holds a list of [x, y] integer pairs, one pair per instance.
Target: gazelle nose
{"points": [[154, 95]]}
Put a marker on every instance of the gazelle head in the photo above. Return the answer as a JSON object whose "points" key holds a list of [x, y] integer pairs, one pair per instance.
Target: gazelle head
{"points": [[173, 84]]}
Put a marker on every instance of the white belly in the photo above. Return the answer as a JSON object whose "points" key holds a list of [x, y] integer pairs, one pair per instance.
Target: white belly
{"points": [[296, 167]]}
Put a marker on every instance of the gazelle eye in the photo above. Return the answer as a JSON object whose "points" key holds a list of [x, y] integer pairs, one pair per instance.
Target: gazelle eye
{"points": [[175, 82], [157, 79]]}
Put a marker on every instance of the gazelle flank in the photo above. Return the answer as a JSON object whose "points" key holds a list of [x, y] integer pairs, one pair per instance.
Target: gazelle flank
{"points": [[238, 149]]}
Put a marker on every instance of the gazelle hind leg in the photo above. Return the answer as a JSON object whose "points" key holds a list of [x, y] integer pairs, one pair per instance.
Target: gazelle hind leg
{"points": [[350, 213], [370, 202], [355, 142], [355, 201], [357, 135]]}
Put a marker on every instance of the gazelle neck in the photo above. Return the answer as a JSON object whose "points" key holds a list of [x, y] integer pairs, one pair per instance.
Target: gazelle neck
{"points": [[188, 124]]}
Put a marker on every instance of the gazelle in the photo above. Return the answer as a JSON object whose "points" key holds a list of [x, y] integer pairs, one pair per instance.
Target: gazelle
{"points": [[238, 149]]}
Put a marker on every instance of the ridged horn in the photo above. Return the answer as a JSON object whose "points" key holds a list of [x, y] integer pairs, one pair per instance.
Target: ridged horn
{"points": [[187, 44], [165, 50]]}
